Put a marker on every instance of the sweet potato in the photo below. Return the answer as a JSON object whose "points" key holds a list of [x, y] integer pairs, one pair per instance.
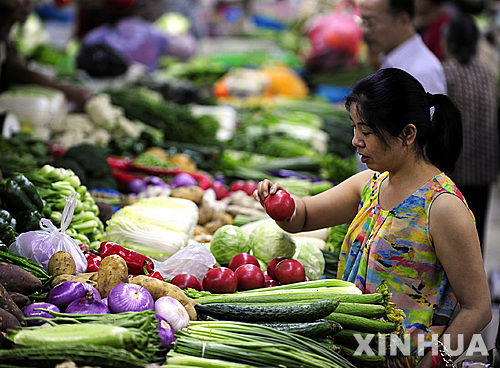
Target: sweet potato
{"points": [[159, 288], [8, 304], [8, 321], [113, 270], [14, 278], [61, 263], [62, 278], [20, 299]]}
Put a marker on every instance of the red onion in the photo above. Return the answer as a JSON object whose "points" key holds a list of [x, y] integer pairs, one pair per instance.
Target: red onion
{"points": [[183, 179], [87, 305], [29, 311], [165, 332], [136, 185], [65, 292], [126, 297], [89, 287]]}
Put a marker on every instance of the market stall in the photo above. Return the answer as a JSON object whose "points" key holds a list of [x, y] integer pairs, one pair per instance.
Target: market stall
{"points": [[129, 234]]}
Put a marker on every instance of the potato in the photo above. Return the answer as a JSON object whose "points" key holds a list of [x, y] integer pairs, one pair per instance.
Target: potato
{"points": [[8, 321], [61, 263], [159, 288], [112, 271], [217, 221], [63, 278], [192, 192], [14, 278], [7, 303], [205, 213]]}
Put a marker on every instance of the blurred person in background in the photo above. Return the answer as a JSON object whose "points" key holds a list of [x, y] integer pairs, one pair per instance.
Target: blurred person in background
{"points": [[392, 41], [431, 16], [472, 85], [14, 69]]}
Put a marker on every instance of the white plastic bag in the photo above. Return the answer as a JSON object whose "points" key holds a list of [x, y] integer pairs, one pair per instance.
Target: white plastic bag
{"points": [[40, 245], [194, 259]]}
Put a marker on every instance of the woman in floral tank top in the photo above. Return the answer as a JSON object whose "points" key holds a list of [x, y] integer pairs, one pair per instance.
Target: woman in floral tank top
{"points": [[409, 224]]}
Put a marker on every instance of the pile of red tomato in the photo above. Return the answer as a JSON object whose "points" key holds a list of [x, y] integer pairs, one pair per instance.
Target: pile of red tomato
{"points": [[244, 273]]}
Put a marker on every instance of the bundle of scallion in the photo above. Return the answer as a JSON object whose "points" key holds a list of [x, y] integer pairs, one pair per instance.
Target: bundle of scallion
{"points": [[252, 345]]}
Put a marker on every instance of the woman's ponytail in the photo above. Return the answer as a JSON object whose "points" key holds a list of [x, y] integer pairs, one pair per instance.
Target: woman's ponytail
{"points": [[444, 138]]}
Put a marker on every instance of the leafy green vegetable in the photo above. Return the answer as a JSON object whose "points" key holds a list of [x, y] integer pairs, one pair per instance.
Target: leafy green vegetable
{"points": [[310, 257], [268, 241], [22, 153], [177, 122], [228, 241]]}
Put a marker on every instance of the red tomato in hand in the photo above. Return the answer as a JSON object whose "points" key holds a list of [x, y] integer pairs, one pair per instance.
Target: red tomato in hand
{"points": [[185, 281], [220, 280], [271, 266], [280, 206], [289, 271], [241, 259], [249, 277]]}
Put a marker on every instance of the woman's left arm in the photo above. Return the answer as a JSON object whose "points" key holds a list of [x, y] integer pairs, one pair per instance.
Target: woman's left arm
{"points": [[456, 241]]}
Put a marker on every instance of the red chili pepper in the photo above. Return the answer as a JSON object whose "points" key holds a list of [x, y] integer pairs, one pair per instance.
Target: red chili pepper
{"points": [[156, 275], [136, 261], [93, 262]]}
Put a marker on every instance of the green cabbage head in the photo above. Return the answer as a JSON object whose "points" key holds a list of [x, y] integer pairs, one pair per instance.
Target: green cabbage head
{"points": [[268, 241], [311, 257], [228, 241]]}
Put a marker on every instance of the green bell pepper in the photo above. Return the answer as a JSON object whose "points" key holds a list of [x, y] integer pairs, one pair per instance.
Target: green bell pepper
{"points": [[19, 194]]}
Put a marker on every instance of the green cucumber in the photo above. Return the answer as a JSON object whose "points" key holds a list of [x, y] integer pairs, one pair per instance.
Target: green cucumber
{"points": [[362, 323], [293, 313], [362, 309], [316, 329], [346, 337], [361, 360]]}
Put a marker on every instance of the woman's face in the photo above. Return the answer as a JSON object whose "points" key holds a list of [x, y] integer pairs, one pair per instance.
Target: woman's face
{"points": [[374, 153]]}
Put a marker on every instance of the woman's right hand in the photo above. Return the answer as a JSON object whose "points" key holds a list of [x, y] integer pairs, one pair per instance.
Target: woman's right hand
{"points": [[264, 188]]}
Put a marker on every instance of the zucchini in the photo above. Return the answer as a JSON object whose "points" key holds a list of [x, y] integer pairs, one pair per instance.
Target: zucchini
{"points": [[362, 323], [315, 329], [293, 313], [83, 354]]}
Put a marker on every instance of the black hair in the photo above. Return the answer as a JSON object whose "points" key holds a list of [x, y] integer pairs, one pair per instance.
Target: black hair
{"points": [[397, 7], [462, 35], [390, 99]]}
